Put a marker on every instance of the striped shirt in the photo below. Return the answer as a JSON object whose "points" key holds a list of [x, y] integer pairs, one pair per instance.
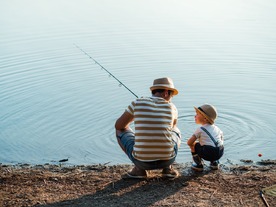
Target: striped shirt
{"points": [[153, 120]]}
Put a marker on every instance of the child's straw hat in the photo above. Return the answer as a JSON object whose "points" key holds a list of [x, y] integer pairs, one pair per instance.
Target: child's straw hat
{"points": [[208, 111]]}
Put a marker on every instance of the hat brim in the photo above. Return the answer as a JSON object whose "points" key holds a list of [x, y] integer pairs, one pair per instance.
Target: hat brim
{"points": [[203, 114], [175, 91]]}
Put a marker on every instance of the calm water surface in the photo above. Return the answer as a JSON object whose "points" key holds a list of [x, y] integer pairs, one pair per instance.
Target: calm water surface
{"points": [[56, 103]]}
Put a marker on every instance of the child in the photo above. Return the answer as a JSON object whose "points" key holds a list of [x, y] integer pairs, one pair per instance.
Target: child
{"points": [[207, 141]]}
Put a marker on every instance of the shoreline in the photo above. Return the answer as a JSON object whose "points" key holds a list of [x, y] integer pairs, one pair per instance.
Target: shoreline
{"points": [[104, 185], [64, 164]]}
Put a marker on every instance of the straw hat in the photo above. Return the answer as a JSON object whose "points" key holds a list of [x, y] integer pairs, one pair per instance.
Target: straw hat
{"points": [[164, 83], [208, 111]]}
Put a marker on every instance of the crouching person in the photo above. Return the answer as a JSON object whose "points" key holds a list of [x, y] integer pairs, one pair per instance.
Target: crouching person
{"points": [[207, 141], [155, 142]]}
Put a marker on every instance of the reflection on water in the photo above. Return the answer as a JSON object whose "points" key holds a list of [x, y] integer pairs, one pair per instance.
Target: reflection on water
{"points": [[57, 103]]}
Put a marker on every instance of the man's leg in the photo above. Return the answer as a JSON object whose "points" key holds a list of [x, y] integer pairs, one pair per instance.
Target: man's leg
{"points": [[168, 171], [126, 141]]}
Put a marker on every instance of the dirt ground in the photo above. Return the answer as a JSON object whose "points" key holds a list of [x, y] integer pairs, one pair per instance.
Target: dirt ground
{"points": [[103, 185]]}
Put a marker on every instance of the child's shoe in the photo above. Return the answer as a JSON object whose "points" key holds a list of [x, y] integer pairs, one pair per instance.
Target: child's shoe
{"points": [[214, 165], [197, 167], [196, 158]]}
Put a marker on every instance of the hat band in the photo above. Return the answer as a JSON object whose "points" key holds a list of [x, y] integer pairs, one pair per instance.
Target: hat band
{"points": [[201, 110], [206, 116]]}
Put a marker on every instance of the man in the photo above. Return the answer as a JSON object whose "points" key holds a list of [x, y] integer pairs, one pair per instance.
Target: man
{"points": [[156, 140]]}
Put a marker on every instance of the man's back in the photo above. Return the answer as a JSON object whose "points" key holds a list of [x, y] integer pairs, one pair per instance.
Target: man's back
{"points": [[153, 119]]}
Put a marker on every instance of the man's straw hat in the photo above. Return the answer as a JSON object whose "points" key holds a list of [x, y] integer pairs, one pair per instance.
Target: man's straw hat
{"points": [[164, 83], [208, 111]]}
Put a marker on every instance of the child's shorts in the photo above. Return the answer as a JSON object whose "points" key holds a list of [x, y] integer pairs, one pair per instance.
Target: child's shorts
{"points": [[209, 153]]}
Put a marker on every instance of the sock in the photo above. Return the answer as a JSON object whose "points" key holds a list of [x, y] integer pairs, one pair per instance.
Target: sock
{"points": [[196, 158]]}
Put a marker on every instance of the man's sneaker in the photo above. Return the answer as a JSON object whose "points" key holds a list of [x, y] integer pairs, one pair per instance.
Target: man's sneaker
{"points": [[169, 172], [137, 173], [197, 167], [214, 165]]}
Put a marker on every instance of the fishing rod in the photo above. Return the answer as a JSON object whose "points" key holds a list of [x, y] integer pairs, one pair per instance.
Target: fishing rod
{"points": [[121, 84]]}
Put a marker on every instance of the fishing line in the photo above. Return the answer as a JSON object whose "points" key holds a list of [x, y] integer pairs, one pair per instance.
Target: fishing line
{"points": [[110, 74]]}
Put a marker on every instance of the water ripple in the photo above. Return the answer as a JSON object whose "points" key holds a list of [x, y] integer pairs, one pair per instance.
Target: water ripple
{"points": [[57, 103]]}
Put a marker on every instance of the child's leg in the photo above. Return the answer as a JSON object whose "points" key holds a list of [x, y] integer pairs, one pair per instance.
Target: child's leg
{"points": [[195, 152], [214, 165]]}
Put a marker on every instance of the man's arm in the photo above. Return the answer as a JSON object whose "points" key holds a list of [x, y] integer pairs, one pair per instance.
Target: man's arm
{"points": [[174, 122], [124, 121]]}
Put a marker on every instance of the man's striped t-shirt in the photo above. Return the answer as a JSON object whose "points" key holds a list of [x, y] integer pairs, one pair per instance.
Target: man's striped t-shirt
{"points": [[153, 120]]}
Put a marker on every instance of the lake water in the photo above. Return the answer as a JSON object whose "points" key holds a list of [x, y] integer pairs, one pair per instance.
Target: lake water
{"points": [[56, 103]]}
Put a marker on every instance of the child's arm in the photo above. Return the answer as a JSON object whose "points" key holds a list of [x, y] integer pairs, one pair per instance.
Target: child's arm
{"points": [[191, 142]]}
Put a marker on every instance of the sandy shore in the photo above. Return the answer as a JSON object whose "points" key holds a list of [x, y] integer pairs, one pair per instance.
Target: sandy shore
{"points": [[102, 185]]}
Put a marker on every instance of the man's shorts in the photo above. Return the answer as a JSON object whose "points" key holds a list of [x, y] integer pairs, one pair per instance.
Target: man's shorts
{"points": [[127, 140]]}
